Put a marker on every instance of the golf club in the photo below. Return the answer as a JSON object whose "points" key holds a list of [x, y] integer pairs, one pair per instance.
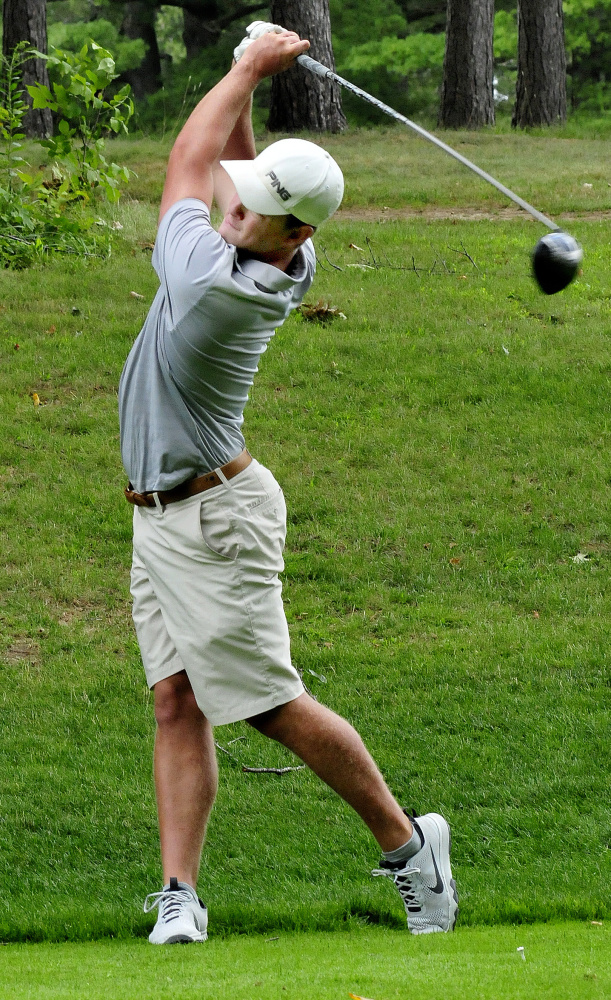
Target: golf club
{"points": [[556, 258]]}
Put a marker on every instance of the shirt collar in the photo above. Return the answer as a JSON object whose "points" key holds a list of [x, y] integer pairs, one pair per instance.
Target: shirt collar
{"points": [[270, 277]]}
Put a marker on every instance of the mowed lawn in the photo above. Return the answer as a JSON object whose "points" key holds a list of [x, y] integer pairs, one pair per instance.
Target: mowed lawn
{"points": [[444, 449], [489, 963]]}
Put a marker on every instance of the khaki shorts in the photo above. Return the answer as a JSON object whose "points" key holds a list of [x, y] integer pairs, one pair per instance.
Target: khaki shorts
{"points": [[207, 598]]}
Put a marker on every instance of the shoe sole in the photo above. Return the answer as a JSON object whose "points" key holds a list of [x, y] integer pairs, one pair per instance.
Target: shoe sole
{"points": [[181, 939]]}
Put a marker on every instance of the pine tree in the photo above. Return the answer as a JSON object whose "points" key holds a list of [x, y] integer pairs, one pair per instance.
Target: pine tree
{"points": [[467, 94], [299, 99], [541, 83], [26, 21]]}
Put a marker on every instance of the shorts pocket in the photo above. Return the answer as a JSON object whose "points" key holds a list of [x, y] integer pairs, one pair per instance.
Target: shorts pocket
{"points": [[218, 532], [262, 503], [262, 531]]}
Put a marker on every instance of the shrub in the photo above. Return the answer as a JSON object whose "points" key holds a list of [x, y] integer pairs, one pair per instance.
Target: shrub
{"points": [[128, 53], [85, 114], [44, 212]]}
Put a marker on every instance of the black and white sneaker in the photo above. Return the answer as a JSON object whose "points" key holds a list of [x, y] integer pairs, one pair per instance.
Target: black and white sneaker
{"points": [[182, 916], [425, 881]]}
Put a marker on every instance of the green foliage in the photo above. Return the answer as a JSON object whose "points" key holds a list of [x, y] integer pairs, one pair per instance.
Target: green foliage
{"points": [[85, 114], [505, 36], [403, 72], [362, 34], [169, 26], [30, 223], [352, 25], [405, 67], [16, 216], [71, 11], [401, 56], [587, 25], [12, 112], [127, 53], [34, 205], [588, 42]]}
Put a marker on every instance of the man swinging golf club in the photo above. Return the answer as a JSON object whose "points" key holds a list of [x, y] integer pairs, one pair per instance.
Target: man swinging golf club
{"points": [[209, 520]]}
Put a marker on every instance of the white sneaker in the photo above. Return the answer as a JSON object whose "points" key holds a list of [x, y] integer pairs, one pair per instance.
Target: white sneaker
{"points": [[425, 880], [182, 916]]}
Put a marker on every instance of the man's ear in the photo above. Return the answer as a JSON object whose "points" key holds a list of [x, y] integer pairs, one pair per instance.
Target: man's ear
{"points": [[300, 234]]}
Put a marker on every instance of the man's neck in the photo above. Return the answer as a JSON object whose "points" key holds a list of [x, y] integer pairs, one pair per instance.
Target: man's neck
{"points": [[282, 261]]}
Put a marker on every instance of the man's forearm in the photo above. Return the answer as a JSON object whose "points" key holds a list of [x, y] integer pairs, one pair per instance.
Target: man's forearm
{"points": [[221, 121], [241, 143]]}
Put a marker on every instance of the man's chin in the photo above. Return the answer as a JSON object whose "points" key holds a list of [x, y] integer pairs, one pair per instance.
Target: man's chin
{"points": [[229, 233]]}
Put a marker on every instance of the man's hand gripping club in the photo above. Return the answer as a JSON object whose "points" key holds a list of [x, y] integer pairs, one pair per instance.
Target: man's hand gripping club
{"points": [[256, 30]]}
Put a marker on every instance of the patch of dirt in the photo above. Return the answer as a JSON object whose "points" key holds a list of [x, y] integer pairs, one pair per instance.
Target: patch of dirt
{"points": [[373, 214], [22, 650], [77, 610]]}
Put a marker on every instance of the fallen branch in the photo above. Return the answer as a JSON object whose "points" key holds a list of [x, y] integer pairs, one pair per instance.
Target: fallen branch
{"points": [[370, 248], [330, 262], [223, 750], [463, 253], [271, 770]]}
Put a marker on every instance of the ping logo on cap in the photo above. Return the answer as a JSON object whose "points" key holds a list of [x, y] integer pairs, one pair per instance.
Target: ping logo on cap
{"points": [[284, 194]]}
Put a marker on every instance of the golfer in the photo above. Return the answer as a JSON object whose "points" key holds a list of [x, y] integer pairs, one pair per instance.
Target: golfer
{"points": [[209, 520]]}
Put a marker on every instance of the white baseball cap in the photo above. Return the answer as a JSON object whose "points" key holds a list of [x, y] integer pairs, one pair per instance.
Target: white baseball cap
{"points": [[290, 177]]}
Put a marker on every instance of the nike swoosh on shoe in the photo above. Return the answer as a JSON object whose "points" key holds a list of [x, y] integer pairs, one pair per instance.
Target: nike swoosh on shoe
{"points": [[439, 887]]}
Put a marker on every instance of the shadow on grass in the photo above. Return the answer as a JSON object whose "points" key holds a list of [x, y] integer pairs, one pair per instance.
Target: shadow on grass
{"points": [[89, 924]]}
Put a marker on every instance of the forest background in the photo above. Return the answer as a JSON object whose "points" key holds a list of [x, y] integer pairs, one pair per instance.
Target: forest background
{"points": [[171, 54]]}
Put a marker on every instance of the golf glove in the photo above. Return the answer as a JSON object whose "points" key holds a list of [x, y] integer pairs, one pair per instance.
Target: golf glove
{"points": [[254, 31]]}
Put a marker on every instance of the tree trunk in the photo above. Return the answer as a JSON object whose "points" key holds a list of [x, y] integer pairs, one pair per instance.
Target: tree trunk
{"points": [[26, 21], [467, 94], [299, 99], [139, 22], [199, 33], [541, 84], [205, 20]]}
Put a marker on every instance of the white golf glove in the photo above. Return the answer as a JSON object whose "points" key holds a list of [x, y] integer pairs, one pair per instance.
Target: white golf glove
{"points": [[254, 31]]}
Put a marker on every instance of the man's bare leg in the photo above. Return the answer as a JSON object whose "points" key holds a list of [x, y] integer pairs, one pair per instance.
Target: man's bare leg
{"points": [[186, 777], [333, 749]]}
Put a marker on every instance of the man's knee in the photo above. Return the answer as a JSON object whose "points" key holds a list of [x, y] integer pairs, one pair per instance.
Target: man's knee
{"points": [[174, 700], [280, 722]]}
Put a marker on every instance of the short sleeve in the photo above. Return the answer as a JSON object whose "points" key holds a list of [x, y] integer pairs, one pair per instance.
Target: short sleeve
{"points": [[187, 255]]}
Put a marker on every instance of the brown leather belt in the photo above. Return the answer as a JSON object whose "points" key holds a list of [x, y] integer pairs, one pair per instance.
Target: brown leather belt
{"points": [[192, 486]]}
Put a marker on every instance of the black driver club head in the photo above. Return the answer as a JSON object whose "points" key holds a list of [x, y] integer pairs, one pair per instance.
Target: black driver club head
{"points": [[556, 260]]}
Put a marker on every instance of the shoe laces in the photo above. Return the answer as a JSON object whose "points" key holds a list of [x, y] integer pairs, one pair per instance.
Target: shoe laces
{"points": [[404, 878], [169, 901]]}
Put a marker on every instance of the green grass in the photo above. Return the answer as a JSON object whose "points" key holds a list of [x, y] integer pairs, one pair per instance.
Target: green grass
{"points": [[444, 451], [559, 960], [393, 167]]}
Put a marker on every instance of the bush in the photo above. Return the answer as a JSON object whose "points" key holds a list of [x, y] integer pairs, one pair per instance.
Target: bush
{"points": [[402, 72], [84, 115], [44, 212], [128, 53]]}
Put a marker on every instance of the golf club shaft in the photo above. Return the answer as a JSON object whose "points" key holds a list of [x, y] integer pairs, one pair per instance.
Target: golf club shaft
{"points": [[315, 67]]}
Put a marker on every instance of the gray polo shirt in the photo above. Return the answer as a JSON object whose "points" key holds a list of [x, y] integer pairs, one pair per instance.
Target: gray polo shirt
{"points": [[186, 380]]}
